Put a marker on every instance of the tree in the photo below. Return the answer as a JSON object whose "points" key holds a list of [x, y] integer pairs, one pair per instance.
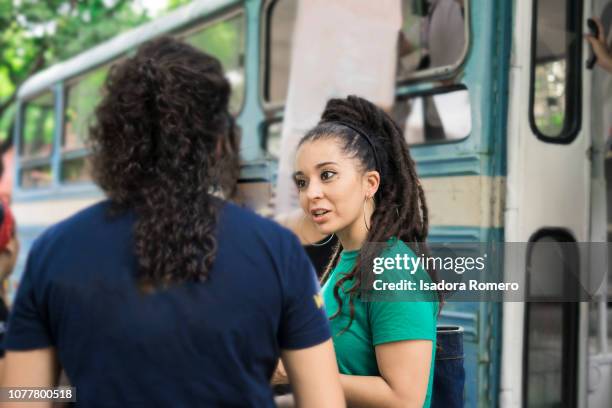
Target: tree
{"points": [[37, 33]]}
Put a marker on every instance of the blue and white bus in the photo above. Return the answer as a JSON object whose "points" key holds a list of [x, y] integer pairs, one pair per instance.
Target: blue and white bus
{"points": [[508, 130]]}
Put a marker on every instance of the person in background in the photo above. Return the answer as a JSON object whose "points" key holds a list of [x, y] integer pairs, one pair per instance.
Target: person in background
{"points": [[9, 250], [319, 247], [601, 49], [164, 294]]}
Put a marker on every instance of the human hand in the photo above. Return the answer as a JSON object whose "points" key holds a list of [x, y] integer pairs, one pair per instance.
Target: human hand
{"points": [[600, 48], [280, 375]]}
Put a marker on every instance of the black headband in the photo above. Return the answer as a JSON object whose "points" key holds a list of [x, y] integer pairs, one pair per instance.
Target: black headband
{"points": [[365, 136]]}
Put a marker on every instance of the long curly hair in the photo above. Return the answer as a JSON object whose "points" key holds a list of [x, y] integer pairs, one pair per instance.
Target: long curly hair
{"points": [[400, 206], [163, 140]]}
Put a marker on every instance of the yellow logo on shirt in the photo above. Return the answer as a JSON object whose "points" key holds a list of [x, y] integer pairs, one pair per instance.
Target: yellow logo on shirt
{"points": [[318, 300]]}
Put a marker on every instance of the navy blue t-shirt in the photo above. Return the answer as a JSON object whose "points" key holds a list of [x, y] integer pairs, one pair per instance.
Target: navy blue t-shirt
{"points": [[208, 344]]}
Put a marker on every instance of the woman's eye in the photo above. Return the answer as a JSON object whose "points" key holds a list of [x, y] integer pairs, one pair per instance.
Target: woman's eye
{"points": [[326, 175], [300, 183]]}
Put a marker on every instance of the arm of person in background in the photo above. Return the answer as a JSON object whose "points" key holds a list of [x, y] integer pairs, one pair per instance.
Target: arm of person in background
{"points": [[300, 225], [600, 48], [30, 359], [404, 377], [302, 364], [9, 250], [32, 368]]}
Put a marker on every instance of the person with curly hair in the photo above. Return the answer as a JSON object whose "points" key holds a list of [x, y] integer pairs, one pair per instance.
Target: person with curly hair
{"points": [[356, 179], [165, 294]]}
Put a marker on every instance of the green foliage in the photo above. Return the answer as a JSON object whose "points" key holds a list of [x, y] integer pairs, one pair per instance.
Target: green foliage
{"points": [[39, 124], [225, 41], [35, 34], [172, 4], [82, 99]]}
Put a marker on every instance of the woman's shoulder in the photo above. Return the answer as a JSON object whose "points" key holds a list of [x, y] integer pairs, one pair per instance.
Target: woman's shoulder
{"points": [[409, 265], [396, 246]]}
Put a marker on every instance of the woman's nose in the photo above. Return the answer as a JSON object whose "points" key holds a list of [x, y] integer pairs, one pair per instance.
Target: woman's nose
{"points": [[314, 191]]}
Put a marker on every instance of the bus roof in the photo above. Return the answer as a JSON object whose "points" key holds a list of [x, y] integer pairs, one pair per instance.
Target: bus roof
{"points": [[119, 44]]}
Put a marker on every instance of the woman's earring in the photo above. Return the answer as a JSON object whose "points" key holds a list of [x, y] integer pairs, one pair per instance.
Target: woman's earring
{"points": [[364, 213]]}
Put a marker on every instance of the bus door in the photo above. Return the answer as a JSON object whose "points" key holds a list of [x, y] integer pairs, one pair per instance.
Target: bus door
{"points": [[548, 205], [599, 116]]}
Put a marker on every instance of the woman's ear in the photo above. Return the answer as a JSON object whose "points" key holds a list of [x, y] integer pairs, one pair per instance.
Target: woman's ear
{"points": [[372, 182]]}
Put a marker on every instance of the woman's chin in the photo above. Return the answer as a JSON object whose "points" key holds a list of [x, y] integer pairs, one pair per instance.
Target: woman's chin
{"points": [[325, 230]]}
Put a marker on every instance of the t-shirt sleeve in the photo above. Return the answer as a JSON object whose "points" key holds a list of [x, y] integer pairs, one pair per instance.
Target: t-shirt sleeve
{"points": [[402, 315], [397, 321], [27, 327], [304, 322]]}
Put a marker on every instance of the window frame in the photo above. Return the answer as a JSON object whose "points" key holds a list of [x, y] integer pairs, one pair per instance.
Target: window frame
{"points": [[446, 71], [264, 57], [437, 91], [573, 90], [570, 315], [269, 122], [426, 76], [83, 152], [26, 163]]}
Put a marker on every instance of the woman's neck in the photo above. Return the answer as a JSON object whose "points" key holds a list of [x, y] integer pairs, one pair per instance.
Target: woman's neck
{"points": [[353, 236]]}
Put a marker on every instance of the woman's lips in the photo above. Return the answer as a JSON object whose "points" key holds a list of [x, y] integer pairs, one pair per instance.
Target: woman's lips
{"points": [[320, 218]]}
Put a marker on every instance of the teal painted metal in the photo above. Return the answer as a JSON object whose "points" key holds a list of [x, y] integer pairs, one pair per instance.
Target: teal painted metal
{"points": [[485, 77], [252, 114], [440, 234], [485, 74], [17, 144], [58, 94], [481, 322]]}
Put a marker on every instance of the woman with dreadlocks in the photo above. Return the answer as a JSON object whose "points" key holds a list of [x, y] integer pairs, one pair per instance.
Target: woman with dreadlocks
{"points": [[164, 294], [356, 179]]}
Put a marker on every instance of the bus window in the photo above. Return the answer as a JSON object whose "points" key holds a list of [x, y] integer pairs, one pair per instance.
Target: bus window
{"points": [[555, 74], [438, 117], [36, 142], [75, 170], [82, 97], [433, 36], [272, 142], [38, 126], [281, 15], [551, 322], [35, 176], [226, 41]]}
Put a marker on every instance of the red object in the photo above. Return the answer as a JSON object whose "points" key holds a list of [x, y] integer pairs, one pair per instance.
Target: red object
{"points": [[8, 224]]}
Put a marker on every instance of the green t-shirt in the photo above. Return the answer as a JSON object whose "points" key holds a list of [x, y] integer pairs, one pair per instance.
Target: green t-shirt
{"points": [[378, 322]]}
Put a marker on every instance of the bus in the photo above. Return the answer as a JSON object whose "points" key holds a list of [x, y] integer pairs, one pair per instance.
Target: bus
{"points": [[507, 125]]}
